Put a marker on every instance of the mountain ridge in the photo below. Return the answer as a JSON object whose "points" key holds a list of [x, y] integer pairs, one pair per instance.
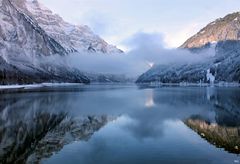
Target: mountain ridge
{"points": [[222, 29], [222, 39], [74, 38]]}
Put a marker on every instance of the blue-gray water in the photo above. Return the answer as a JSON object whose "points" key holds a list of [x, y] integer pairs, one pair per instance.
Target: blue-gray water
{"points": [[114, 124]]}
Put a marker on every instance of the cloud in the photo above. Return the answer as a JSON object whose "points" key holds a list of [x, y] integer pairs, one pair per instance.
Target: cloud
{"points": [[146, 49]]}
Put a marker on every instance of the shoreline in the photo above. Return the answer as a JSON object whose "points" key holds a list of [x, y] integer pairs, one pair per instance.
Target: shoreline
{"points": [[222, 84], [55, 87], [36, 87]]}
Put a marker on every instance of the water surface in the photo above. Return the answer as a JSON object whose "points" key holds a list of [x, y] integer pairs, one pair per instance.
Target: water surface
{"points": [[121, 124]]}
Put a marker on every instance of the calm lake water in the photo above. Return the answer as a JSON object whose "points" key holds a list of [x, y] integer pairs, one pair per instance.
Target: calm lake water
{"points": [[114, 124]]}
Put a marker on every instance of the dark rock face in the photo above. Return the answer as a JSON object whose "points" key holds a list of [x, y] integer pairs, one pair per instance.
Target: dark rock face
{"points": [[11, 74], [228, 57]]}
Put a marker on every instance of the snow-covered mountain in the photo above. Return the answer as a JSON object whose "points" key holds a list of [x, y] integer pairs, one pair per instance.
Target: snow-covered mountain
{"points": [[71, 37], [21, 35], [221, 38], [29, 33]]}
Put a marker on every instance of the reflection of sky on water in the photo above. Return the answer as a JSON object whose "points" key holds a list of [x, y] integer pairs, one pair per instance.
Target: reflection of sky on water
{"points": [[116, 144], [138, 135], [149, 101], [156, 135]]}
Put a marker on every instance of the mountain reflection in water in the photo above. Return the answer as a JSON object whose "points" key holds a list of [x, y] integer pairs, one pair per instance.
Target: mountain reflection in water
{"points": [[34, 127], [223, 130], [37, 127]]}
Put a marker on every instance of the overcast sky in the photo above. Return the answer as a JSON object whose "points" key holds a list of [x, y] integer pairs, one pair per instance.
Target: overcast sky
{"points": [[117, 20]]}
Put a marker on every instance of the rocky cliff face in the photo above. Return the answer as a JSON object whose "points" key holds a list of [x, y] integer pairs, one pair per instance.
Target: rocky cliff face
{"points": [[29, 32], [227, 28], [22, 40], [21, 35], [72, 37]]}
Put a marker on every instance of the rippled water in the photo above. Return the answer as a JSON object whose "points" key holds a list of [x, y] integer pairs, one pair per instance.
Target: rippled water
{"points": [[108, 124]]}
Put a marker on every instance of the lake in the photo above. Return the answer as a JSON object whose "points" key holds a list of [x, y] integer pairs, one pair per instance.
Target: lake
{"points": [[121, 124]]}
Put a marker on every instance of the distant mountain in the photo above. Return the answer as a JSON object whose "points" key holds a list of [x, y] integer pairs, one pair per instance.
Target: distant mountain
{"points": [[29, 32], [222, 39], [222, 29]]}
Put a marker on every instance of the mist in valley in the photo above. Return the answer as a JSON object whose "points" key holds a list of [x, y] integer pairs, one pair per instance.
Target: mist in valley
{"points": [[145, 51]]}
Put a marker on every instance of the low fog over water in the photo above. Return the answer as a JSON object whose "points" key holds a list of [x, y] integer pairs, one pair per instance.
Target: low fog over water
{"points": [[145, 51]]}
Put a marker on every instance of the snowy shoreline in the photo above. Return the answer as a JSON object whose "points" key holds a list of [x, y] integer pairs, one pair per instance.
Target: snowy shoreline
{"points": [[27, 87], [60, 86], [183, 84]]}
